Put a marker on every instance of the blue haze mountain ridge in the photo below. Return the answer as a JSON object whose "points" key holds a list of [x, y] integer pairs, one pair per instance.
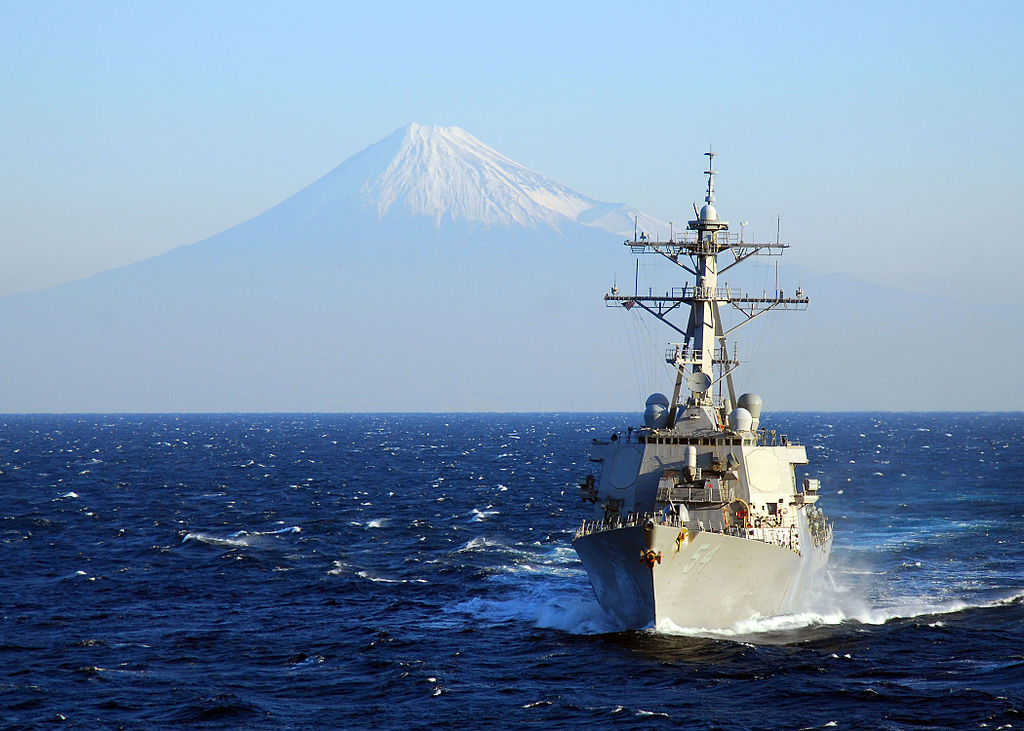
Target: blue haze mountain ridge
{"points": [[431, 273]]}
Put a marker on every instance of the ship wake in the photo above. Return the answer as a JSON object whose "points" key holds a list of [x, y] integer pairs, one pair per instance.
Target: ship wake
{"points": [[832, 609]]}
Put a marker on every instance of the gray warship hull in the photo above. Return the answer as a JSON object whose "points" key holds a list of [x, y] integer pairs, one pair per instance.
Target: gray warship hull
{"points": [[703, 580]]}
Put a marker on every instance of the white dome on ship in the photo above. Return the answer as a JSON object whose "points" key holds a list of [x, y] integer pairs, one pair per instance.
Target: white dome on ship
{"points": [[752, 403], [656, 413], [708, 213], [658, 398], [740, 420]]}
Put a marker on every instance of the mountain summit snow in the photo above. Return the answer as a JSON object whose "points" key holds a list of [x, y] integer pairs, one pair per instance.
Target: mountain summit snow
{"points": [[447, 174]]}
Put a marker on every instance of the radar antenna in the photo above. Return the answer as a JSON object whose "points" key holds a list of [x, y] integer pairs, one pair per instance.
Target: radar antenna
{"points": [[702, 360], [711, 173]]}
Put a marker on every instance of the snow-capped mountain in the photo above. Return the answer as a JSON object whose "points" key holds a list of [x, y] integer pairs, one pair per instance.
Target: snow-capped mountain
{"points": [[427, 272], [446, 174], [431, 273]]}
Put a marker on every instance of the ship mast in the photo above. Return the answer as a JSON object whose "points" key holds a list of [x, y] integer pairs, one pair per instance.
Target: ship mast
{"points": [[704, 312], [704, 350]]}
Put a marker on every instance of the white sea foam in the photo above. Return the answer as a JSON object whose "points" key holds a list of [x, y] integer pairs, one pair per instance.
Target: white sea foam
{"points": [[536, 569], [238, 539], [377, 523], [384, 580], [567, 608], [481, 515], [646, 714], [480, 543], [906, 609], [215, 540], [289, 529], [578, 615]]}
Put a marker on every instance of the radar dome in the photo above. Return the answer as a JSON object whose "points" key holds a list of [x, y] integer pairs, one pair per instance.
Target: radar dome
{"points": [[708, 213], [656, 413], [658, 398], [740, 419], [751, 402]]}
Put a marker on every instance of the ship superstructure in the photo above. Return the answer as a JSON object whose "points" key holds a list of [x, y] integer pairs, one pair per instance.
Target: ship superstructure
{"points": [[697, 518]]}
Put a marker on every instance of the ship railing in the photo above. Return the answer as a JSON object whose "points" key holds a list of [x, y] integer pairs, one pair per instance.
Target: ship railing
{"points": [[688, 494], [625, 521], [688, 241], [771, 438], [783, 536], [690, 291], [689, 238], [680, 354]]}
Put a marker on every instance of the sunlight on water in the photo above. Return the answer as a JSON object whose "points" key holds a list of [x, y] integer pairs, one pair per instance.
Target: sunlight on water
{"points": [[233, 571]]}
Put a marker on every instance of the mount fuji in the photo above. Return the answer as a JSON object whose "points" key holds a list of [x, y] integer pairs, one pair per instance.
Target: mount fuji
{"points": [[426, 273], [431, 273]]}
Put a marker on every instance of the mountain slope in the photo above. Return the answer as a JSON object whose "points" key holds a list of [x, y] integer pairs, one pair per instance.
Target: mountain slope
{"points": [[431, 273], [446, 174], [426, 273]]}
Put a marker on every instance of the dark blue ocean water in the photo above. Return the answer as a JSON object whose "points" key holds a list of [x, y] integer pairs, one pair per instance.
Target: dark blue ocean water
{"points": [[415, 571]]}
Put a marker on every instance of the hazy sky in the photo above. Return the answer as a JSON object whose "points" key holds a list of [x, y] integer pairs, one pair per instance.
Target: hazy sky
{"points": [[887, 135]]}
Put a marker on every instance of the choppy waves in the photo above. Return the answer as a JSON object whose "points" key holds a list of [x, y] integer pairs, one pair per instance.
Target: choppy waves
{"points": [[235, 571]]}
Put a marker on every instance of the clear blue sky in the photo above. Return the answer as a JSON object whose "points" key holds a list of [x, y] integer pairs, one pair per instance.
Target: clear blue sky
{"points": [[888, 135]]}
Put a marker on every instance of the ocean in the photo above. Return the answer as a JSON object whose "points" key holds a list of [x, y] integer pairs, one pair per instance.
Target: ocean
{"points": [[415, 571]]}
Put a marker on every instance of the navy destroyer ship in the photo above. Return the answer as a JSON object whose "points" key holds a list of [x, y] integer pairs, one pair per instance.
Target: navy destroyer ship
{"points": [[697, 519]]}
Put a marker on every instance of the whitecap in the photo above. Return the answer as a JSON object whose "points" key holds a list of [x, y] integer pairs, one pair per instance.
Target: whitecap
{"points": [[480, 542], [380, 579], [383, 580], [236, 541], [239, 538], [481, 515]]}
